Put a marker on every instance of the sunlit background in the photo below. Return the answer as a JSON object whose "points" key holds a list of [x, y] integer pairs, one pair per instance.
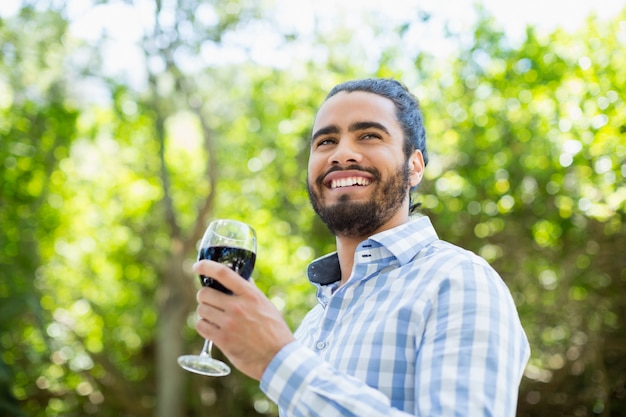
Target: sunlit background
{"points": [[124, 23]]}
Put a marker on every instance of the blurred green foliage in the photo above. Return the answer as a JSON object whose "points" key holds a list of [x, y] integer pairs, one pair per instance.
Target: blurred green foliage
{"points": [[102, 201]]}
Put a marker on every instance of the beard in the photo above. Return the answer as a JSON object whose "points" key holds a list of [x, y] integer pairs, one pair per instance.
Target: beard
{"points": [[349, 218]]}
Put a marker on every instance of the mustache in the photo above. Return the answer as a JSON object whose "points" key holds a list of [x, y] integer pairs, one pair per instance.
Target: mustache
{"points": [[355, 167]]}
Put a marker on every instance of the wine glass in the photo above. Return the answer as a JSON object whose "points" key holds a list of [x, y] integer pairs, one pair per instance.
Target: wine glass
{"points": [[232, 243]]}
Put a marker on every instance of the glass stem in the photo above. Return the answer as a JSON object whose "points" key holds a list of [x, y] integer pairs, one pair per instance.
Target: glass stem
{"points": [[206, 349]]}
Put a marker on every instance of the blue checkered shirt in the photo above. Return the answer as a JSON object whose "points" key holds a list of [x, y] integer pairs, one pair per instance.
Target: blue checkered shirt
{"points": [[421, 328]]}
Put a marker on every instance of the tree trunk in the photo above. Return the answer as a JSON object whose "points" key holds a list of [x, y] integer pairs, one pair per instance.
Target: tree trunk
{"points": [[174, 304]]}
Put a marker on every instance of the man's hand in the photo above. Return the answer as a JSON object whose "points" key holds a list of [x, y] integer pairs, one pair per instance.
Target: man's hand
{"points": [[246, 326]]}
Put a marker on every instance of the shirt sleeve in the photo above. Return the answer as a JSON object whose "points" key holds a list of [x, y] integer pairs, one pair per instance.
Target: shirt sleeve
{"points": [[302, 385], [469, 359], [473, 352]]}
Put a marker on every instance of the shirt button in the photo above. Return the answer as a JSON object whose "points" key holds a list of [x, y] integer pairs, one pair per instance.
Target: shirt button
{"points": [[320, 345]]}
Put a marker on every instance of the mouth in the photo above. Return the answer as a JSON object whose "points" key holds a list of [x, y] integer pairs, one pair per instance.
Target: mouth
{"points": [[349, 182], [344, 179]]}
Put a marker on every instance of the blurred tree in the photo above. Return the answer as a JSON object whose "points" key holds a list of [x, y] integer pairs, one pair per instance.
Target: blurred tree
{"points": [[37, 128]]}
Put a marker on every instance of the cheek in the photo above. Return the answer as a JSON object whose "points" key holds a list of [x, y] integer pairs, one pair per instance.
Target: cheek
{"points": [[314, 168]]}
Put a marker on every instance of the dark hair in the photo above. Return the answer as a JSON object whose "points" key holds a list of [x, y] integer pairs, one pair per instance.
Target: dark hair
{"points": [[407, 109]]}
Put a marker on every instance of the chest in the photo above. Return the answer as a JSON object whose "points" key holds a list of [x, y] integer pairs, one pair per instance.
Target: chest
{"points": [[365, 328]]}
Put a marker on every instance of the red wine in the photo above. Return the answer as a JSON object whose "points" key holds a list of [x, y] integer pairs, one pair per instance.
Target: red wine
{"points": [[239, 260]]}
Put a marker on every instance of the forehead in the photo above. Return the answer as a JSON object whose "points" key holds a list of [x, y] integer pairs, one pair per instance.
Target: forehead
{"points": [[345, 108]]}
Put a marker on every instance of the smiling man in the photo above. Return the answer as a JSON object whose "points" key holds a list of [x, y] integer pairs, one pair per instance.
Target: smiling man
{"points": [[406, 324], [359, 172]]}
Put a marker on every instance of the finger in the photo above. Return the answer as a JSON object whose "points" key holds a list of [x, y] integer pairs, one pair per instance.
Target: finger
{"points": [[223, 274], [208, 315], [211, 296], [207, 329]]}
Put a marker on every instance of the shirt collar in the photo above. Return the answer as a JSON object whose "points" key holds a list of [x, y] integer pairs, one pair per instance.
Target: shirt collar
{"points": [[403, 242]]}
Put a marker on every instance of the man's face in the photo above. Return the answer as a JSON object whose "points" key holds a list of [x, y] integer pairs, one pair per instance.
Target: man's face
{"points": [[358, 176]]}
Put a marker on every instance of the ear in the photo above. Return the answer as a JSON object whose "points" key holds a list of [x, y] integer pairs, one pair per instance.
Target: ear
{"points": [[416, 168]]}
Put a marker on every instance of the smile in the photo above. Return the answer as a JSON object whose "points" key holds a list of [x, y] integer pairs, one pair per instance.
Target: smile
{"points": [[349, 182]]}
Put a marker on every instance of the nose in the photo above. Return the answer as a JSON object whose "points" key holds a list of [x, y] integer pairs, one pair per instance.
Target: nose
{"points": [[345, 152]]}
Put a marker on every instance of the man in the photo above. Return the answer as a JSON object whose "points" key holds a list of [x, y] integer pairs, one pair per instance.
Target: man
{"points": [[406, 325]]}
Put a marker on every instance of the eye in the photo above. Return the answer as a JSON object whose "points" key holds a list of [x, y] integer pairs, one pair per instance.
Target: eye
{"points": [[325, 141], [370, 136]]}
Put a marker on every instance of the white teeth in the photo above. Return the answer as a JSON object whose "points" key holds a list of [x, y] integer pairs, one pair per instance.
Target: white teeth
{"points": [[348, 182]]}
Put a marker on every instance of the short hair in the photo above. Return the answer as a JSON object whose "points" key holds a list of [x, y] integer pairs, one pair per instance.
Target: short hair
{"points": [[407, 105]]}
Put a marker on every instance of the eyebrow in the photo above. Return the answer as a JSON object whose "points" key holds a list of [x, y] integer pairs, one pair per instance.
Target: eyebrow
{"points": [[356, 126], [325, 131], [367, 125]]}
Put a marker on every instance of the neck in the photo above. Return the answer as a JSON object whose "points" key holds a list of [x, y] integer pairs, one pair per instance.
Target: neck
{"points": [[346, 247]]}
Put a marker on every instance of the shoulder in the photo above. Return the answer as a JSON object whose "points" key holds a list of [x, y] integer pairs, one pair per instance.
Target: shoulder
{"points": [[450, 270], [443, 259]]}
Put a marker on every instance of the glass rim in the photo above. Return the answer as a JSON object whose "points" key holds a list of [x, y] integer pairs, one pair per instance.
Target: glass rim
{"points": [[211, 228]]}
